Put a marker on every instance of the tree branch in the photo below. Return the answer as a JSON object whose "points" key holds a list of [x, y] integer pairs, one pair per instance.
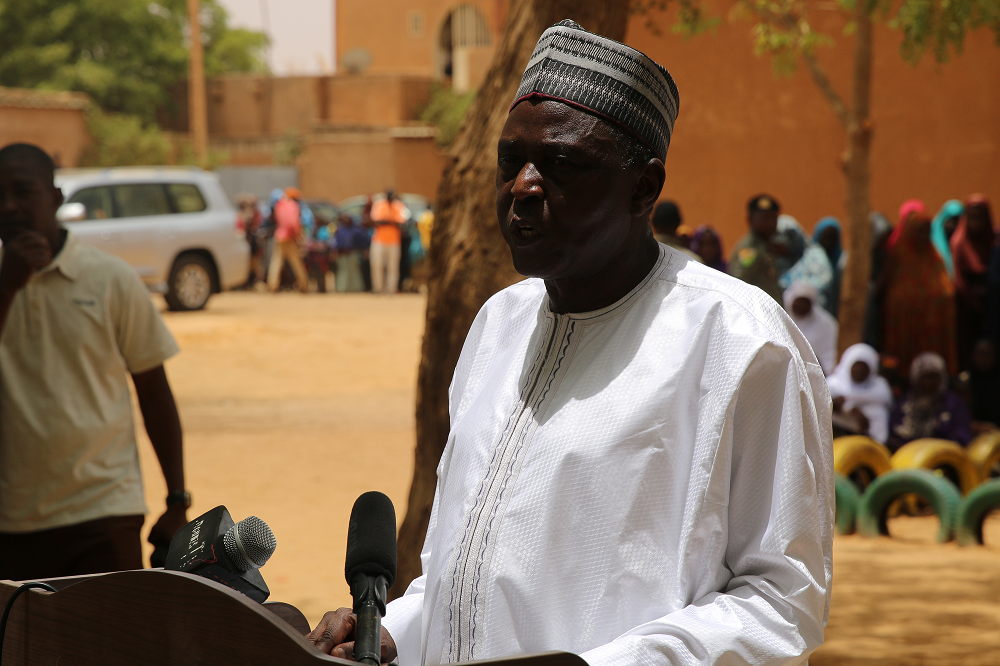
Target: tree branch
{"points": [[821, 79]]}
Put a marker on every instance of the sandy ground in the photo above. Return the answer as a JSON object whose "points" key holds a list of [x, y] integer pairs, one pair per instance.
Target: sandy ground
{"points": [[293, 405]]}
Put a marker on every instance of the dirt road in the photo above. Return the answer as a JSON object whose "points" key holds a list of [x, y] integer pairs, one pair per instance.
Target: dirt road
{"points": [[293, 405]]}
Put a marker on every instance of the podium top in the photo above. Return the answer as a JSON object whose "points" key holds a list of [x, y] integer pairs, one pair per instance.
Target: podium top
{"points": [[164, 618]]}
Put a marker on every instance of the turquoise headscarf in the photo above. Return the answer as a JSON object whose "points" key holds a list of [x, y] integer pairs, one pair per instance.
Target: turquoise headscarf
{"points": [[820, 226], [951, 208]]}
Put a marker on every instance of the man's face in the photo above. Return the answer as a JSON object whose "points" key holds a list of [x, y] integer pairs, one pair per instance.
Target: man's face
{"points": [[28, 201], [563, 197], [764, 223]]}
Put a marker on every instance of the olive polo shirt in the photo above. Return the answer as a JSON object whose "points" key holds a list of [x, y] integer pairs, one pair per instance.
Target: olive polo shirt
{"points": [[73, 336]]}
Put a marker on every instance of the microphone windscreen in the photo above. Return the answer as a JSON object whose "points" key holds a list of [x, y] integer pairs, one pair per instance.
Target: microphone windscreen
{"points": [[249, 543], [371, 538]]}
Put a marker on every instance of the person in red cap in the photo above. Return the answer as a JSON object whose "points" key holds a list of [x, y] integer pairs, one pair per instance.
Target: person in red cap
{"points": [[288, 242]]}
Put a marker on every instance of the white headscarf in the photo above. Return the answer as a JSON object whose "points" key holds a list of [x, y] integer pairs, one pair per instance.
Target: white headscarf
{"points": [[872, 396], [819, 326]]}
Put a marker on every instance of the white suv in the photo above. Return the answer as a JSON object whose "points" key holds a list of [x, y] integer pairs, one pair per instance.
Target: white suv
{"points": [[174, 225]]}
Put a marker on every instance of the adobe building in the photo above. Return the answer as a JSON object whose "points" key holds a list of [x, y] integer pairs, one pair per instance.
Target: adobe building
{"points": [[51, 120], [347, 135], [441, 39], [741, 129]]}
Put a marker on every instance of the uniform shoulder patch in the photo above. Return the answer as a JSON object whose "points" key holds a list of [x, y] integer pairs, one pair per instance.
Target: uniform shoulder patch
{"points": [[746, 256]]}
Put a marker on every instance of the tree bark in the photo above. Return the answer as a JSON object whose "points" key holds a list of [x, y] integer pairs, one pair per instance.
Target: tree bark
{"points": [[469, 261], [856, 170]]}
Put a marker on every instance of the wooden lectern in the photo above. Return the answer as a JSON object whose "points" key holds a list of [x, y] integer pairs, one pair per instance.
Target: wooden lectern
{"points": [[154, 617]]}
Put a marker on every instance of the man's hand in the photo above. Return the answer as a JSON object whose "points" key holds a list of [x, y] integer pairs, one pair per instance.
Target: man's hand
{"points": [[22, 256], [334, 635], [174, 518]]}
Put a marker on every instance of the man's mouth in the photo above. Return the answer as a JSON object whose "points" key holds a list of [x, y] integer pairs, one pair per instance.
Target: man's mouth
{"points": [[522, 233], [526, 231]]}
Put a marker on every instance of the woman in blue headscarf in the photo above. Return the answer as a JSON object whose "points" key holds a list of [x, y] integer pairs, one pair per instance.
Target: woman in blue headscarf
{"points": [[942, 227], [827, 235]]}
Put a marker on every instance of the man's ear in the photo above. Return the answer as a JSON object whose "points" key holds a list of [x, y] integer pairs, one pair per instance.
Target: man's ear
{"points": [[57, 198], [648, 185]]}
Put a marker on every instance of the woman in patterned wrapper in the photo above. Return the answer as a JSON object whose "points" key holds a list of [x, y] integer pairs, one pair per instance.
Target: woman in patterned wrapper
{"points": [[930, 408]]}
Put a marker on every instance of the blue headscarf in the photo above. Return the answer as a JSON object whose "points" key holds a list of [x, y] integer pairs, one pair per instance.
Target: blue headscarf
{"points": [[952, 208], [276, 194], [823, 224]]}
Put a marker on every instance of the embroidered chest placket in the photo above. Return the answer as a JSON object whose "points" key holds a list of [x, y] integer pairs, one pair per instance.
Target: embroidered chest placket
{"points": [[471, 562]]}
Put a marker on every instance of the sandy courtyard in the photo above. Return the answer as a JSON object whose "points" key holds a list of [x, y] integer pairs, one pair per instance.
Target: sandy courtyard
{"points": [[293, 405]]}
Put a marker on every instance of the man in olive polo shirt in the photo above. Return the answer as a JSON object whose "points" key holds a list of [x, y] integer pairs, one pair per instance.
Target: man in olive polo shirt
{"points": [[75, 322]]}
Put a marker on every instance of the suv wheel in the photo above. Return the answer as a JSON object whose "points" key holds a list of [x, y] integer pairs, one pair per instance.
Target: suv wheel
{"points": [[190, 283]]}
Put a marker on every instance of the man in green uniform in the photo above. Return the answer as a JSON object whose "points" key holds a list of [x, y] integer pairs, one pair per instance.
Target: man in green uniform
{"points": [[753, 258]]}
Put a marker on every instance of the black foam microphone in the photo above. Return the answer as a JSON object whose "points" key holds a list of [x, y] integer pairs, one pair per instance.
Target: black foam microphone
{"points": [[214, 547], [370, 569]]}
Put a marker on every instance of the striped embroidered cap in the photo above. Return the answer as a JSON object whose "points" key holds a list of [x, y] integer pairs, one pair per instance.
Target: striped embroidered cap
{"points": [[604, 77]]}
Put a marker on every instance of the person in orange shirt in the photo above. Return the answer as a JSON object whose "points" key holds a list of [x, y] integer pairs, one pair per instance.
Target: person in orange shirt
{"points": [[387, 216]]}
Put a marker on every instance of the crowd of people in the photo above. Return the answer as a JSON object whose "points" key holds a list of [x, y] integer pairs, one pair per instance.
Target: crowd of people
{"points": [[928, 365], [291, 245]]}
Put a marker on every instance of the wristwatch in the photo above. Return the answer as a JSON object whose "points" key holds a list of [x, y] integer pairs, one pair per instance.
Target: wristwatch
{"points": [[179, 498]]}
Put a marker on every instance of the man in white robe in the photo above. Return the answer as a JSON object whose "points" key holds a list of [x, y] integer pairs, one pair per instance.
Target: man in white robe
{"points": [[639, 468]]}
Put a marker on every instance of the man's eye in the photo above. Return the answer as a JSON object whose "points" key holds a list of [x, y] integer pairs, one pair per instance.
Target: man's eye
{"points": [[509, 164]]}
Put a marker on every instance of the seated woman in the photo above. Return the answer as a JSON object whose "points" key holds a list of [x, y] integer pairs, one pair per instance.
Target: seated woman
{"points": [[859, 393], [818, 325], [929, 409]]}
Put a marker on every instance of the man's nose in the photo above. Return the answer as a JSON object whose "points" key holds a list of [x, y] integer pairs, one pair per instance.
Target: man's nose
{"points": [[528, 183]]}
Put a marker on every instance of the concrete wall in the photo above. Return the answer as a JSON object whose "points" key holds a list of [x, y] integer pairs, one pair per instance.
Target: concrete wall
{"points": [[245, 107], [256, 180], [385, 30], [742, 130], [60, 132], [337, 165], [377, 100]]}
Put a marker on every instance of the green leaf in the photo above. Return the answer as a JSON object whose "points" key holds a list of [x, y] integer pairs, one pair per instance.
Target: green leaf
{"points": [[126, 54]]}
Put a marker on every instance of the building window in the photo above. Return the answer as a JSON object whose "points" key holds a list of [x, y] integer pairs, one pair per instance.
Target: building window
{"points": [[469, 27], [415, 23]]}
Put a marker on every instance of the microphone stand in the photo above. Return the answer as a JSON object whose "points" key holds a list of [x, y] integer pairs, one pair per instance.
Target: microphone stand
{"points": [[369, 594]]}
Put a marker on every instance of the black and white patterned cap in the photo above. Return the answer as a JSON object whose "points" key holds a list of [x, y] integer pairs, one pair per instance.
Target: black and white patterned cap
{"points": [[604, 77]]}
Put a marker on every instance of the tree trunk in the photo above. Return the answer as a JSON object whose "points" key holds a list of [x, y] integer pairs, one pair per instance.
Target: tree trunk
{"points": [[469, 261], [856, 171]]}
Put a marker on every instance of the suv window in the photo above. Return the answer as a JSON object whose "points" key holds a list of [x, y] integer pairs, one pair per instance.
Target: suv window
{"points": [[186, 197], [97, 200], [141, 199]]}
